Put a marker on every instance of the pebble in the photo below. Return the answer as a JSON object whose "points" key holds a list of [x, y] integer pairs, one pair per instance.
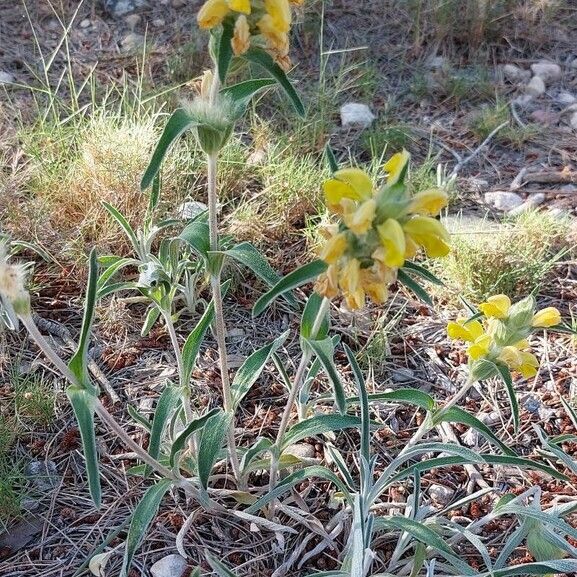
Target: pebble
{"points": [[132, 20], [190, 209], [440, 494], [6, 77], [545, 117], [535, 86], [523, 100], [170, 566], [356, 114], [132, 42], [402, 375], [566, 98], [301, 450], [43, 475], [503, 200], [85, 23], [547, 71], [532, 404], [122, 7], [573, 120], [477, 184], [532, 202], [514, 74]]}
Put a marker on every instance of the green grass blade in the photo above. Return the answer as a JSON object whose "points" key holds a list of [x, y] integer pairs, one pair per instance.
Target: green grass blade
{"points": [[177, 124], [123, 223], [410, 396], [82, 402], [298, 277], [141, 518], [317, 425], [414, 287], [331, 158], [364, 402], [506, 377], [309, 317], [422, 272]]}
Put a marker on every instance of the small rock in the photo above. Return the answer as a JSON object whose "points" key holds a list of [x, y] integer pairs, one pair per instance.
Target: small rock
{"points": [[190, 209], [402, 375], [532, 202], [301, 451], [132, 20], [535, 86], [523, 100], [477, 184], [132, 42], [545, 117], [441, 495], [573, 120], [573, 63], [514, 74], [6, 78], [532, 404], [122, 7], [356, 114], [170, 566], [566, 98], [503, 200], [547, 71], [43, 475], [158, 23], [546, 414], [257, 157], [85, 23], [489, 419], [559, 213]]}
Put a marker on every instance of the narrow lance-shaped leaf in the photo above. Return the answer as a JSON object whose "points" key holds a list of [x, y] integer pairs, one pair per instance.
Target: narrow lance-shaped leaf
{"points": [[143, 515], [414, 286], [165, 406], [317, 425], [298, 277], [78, 362], [324, 351], [210, 444], [250, 370], [264, 59], [224, 48], [410, 396], [192, 427], [309, 318], [422, 272], [242, 92], [123, 223], [331, 158], [364, 402], [193, 342], [82, 402], [506, 376], [177, 124]]}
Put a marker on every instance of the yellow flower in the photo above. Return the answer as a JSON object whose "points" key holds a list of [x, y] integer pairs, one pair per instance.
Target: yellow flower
{"points": [[348, 183], [394, 244], [480, 347], [212, 13], [361, 220], [241, 39], [334, 248], [350, 283], [466, 331], [239, 6], [545, 318], [429, 202], [327, 284], [280, 14], [374, 285], [430, 234], [496, 306], [395, 166], [521, 361]]}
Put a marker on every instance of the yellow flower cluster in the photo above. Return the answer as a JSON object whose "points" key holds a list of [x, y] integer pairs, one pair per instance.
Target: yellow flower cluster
{"points": [[267, 19], [379, 229], [502, 336]]}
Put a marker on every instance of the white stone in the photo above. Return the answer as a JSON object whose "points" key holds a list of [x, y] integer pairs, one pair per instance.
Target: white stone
{"points": [[440, 494], [503, 200], [132, 20], [535, 86], [523, 100], [85, 23], [547, 71], [132, 42], [532, 202], [573, 120], [301, 451], [6, 77], [515, 74], [573, 63], [559, 213], [190, 209], [566, 98], [170, 566], [356, 114]]}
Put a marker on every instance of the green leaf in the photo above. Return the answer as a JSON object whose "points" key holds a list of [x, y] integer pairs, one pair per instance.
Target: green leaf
{"points": [[264, 59], [151, 317], [210, 444], [143, 515], [162, 413], [113, 268], [414, 286], [77, 363], [192, 427], [458, 415], [139, 418], [411, 396], [177, 124], [250, 370], [124, 224], [317, 425], [262, 444], [309, 318], [242, 92], [83, 402], [562, 567], [324, 350], [331, 158], [224, 51], [218, 566], [193, 342], [294, 479], [422, 272], [115, 287], [364, 402], [298, 277], [196, 235], [246, 254], [506, 376], [421, 532]]}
